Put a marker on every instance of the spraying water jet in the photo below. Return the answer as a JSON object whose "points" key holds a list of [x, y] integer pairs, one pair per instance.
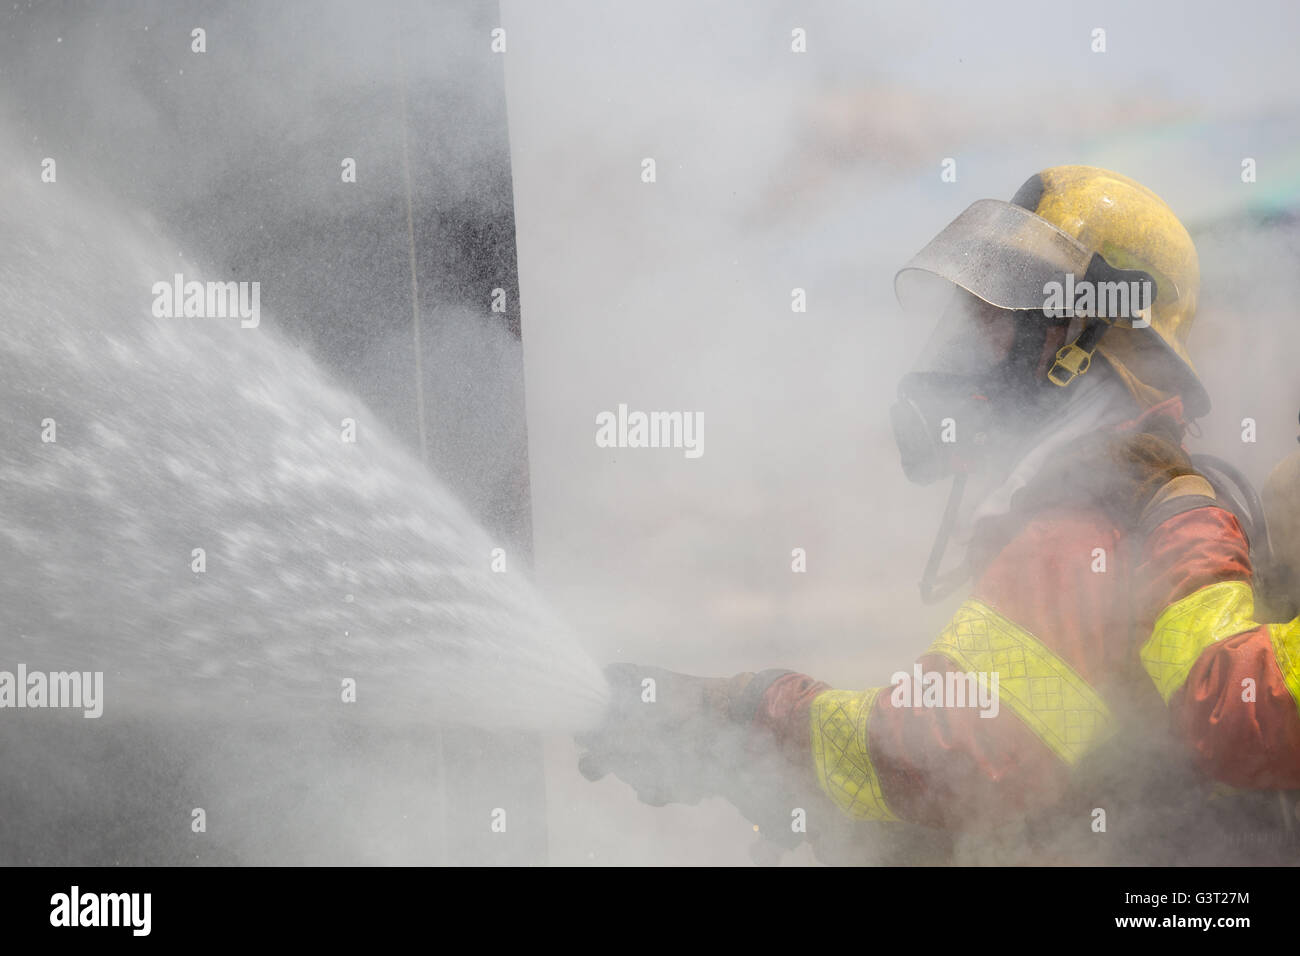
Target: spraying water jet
{"points": [[189, 512]]}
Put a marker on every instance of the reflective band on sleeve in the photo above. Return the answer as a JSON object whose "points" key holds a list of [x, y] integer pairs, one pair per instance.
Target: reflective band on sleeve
{"points": [[1187, 627], [1286, 648], [1042, 689], [839, 743]]}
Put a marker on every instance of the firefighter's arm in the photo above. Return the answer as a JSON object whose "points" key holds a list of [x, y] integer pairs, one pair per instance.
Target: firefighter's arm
{"points": [[1022, 718], [1231, 682]]}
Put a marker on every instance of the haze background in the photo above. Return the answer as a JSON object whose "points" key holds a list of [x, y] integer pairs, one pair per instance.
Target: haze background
{"points": [[821, 170], [776, 170]]}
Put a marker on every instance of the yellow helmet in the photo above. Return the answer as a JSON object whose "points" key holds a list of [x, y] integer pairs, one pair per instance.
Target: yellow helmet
{"points": [[1057, 225]]}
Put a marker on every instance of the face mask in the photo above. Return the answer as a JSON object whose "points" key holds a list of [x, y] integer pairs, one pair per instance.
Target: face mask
{"points": [[930, 409], [956, 422]]}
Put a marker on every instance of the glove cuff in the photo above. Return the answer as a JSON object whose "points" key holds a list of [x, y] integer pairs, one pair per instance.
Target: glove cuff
{"points": [[745, 707]]}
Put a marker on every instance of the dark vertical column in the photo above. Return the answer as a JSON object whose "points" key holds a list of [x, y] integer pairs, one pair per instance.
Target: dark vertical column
{"points": [[463, 230]]}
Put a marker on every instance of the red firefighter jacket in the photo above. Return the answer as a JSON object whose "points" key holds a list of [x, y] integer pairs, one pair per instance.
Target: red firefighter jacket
{"points": [[1074, 622]]}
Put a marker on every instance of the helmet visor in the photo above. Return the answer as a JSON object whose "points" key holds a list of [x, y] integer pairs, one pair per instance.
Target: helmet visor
{"points": [[997, 251]]}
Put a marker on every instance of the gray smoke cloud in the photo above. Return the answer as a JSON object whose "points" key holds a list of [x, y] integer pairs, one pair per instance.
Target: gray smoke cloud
{"points": [[330, 561], [776, 171], [822, 171]]}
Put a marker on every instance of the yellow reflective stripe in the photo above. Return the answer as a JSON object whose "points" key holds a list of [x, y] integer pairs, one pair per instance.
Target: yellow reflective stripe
{"points": [[839, 743], [1187, 627], [1286, 648], [1041, 688]]}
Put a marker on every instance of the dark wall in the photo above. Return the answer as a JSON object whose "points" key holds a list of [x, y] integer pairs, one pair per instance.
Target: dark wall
{"points": [[237, 152]]}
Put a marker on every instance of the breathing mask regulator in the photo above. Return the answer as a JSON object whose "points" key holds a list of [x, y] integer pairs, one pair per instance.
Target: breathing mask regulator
{"points": [[963, 403], [1005, 350]]}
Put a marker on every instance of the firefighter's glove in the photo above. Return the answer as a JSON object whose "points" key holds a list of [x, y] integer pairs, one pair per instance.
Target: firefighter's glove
{"points": [[673, 737]]}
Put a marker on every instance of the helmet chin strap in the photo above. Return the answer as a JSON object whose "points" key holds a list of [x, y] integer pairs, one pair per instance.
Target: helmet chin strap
{"points": [[936, 586], [1075, 357]]}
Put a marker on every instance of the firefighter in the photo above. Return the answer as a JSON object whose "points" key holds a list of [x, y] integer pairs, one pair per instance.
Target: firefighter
{"points": [[1110, 600]]}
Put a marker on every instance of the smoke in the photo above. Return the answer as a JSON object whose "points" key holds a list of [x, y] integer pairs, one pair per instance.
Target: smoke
{"points": [[775, 171], [198, 524], [822, 171]]}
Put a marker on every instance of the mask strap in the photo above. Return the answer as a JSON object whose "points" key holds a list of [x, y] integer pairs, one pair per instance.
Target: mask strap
{"points": [[934, 586]]}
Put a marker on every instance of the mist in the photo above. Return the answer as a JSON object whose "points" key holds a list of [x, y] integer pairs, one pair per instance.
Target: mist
{"points": [[822, 171], [775, 172], [294, 543]]}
